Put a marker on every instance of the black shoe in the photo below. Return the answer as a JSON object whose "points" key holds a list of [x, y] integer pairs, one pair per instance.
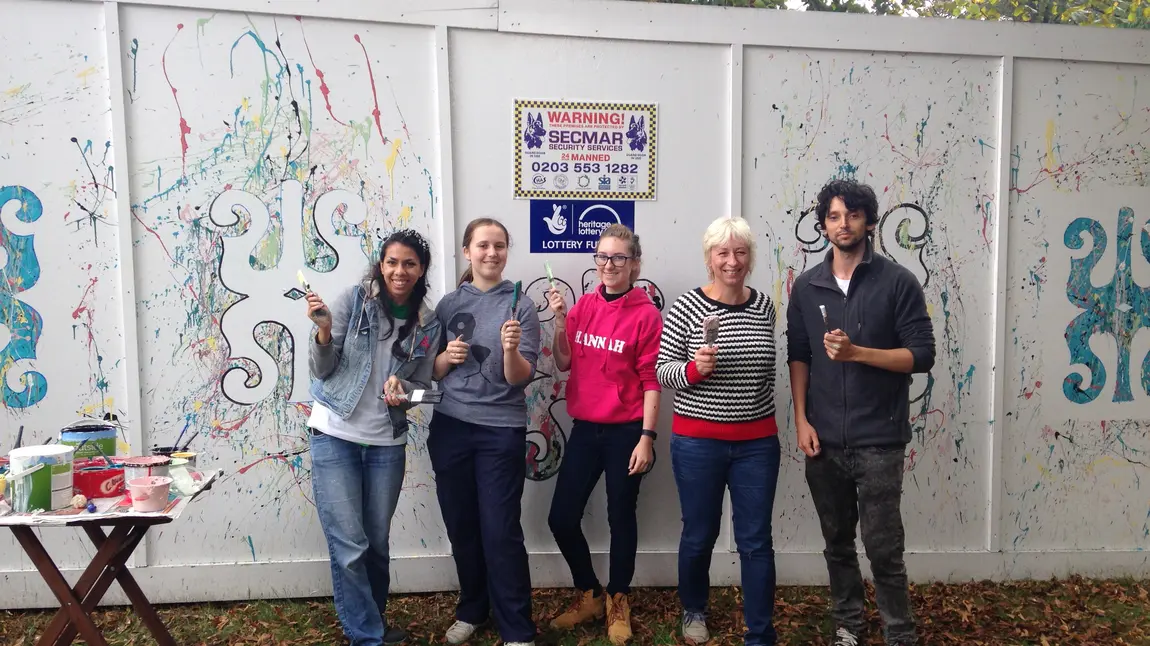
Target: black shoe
{"points": [[394, 635]]}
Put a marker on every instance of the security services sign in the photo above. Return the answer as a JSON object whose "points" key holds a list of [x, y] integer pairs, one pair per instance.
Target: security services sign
{"points": [[580, 150], [573, 226]]}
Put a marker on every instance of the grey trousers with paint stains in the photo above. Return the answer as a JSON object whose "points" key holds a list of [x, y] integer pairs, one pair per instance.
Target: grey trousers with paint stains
{"points": [[849, 485]]}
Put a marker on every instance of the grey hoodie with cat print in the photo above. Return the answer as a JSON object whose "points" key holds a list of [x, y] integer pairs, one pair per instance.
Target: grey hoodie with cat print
{"points": [[476, 390]]}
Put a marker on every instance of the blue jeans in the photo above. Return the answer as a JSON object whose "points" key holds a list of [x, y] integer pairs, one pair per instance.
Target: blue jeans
{"points": [[704, 468], [479, 478], [592, 451], [356, 490]]}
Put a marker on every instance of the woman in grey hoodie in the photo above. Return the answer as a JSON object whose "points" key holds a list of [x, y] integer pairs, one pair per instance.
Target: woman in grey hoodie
{"points": [[375, 343], [478, 435]]}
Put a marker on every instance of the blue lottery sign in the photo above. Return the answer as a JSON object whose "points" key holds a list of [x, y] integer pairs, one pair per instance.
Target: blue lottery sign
{"points": [[573, 226]]}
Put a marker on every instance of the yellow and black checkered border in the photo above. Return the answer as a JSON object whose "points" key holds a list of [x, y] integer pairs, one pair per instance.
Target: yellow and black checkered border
{"points": [[650, 108], [585, 195]]}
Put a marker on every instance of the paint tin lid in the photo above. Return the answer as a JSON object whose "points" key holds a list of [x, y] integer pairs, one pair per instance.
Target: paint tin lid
{"points": [[88, 425], [146, 461], [41, 451]]}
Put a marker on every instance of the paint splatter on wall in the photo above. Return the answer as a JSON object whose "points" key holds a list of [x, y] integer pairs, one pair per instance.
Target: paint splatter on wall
{"points": [[919, 130], [1078, 370], [23, 324], [61, 307], [262, 147]]}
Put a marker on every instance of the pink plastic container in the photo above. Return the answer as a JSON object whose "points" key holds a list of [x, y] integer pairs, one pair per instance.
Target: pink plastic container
{"points": [[150, 493]]}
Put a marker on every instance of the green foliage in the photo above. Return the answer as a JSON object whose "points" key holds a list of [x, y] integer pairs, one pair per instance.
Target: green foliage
{"points": [[1132, 14], [1101, 13]]}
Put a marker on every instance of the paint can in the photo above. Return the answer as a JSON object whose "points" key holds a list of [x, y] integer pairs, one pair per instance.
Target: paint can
{"points": [[43, 488], [98, 482], [98, 438], [150, 493]]}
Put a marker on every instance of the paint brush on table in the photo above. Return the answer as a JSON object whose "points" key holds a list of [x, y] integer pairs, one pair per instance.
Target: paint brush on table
{"points": [[181, 435], [107, 460], [189, 442]]}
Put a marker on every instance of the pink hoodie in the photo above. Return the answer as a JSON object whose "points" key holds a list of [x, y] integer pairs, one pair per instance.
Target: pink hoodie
{"points": [[613, 350]]}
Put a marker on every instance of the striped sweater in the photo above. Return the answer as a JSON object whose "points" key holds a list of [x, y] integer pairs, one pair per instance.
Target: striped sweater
{"points": [[737, 401]]}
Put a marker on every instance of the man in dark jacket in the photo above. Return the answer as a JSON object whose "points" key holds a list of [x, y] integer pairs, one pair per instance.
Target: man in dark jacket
{"points": [[857, 328]]}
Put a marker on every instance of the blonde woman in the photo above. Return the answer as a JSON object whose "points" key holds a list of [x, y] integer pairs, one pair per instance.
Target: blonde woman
{"points": [[724, 435]]}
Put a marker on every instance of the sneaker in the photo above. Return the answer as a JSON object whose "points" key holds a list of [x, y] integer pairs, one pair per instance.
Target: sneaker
{"points": [[394, 635], [460, 632], [695, 628], [585, 608], [519, 644], [844, 637], [618, 619]]}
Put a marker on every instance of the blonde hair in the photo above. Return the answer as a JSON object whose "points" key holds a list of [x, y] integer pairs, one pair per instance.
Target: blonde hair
{"points": [[724, 229], [624, 233]]}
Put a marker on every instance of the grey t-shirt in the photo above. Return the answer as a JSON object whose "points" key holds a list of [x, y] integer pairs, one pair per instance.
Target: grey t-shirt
{"points": [[476, 391]]}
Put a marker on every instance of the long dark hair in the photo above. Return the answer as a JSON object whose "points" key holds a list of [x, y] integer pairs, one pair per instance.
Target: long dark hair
{"points": [[412, 240], [468, 275]]}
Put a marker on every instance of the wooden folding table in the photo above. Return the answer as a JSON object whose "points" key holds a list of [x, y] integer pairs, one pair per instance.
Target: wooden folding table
{"points": [[108, 564]]}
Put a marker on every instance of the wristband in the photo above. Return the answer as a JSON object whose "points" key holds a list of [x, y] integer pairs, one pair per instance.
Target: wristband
{"points": [[651, 434]]}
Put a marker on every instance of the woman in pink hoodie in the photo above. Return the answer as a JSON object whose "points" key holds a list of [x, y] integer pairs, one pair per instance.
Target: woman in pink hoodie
{"points": [[609, 342]]}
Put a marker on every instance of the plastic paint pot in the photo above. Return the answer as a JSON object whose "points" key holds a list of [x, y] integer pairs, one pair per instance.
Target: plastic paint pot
{"points": [[47, 489], [150, 493], [190, 456], [145, 466]]}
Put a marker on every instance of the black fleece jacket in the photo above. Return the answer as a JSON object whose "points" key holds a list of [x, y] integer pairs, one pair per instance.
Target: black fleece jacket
{"points": [[853, 404]]}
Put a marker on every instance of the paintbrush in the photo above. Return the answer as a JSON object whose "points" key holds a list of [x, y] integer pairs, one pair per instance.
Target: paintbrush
{"points": [[189, 442], [26, 472], [710, 330], [181, 435], [307, 288], [826, 323], [107, 460], [420, 396], [515, 298], [550, 275]]}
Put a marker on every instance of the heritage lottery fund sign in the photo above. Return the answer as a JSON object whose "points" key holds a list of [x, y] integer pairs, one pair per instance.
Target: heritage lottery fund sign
{"points": [[588, 151]]}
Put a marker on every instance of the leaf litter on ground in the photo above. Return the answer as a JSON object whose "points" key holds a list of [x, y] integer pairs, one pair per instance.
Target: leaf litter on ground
{"points": [[1067, 612]]}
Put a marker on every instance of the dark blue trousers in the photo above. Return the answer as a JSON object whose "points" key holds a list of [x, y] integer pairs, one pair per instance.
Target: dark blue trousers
{"points": [[595, 450], [479, 475]]}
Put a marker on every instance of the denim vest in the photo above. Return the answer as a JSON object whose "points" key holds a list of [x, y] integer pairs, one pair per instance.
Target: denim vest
{"points": [[341, 391]]}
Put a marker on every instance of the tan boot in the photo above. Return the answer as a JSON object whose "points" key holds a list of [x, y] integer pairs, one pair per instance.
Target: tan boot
{"points": [[585, 608], [619, 619]]}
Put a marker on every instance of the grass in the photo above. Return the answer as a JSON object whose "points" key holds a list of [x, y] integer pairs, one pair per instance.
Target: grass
{"points": [[1042, 613]]}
